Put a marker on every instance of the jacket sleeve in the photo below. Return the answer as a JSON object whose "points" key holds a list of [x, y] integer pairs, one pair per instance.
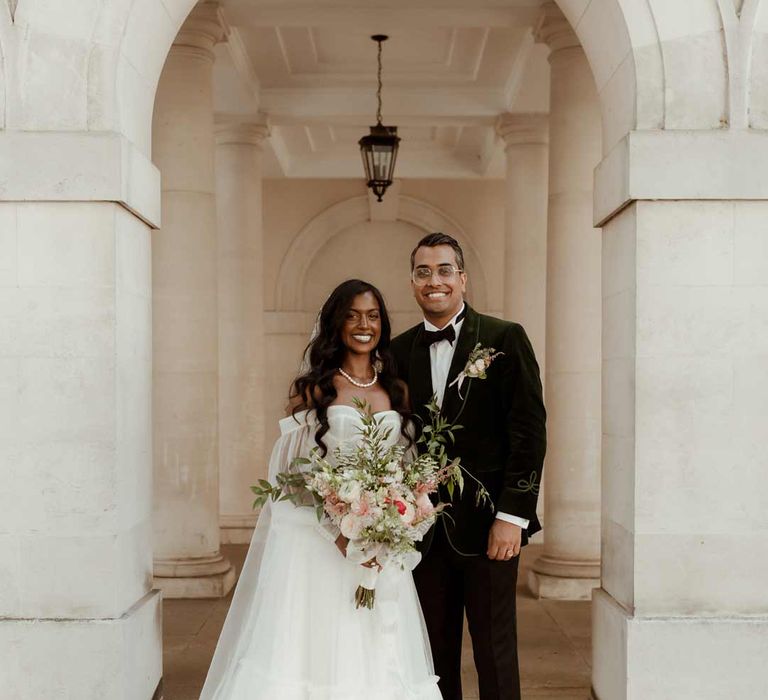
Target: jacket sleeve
{"points": [[525, 426]]}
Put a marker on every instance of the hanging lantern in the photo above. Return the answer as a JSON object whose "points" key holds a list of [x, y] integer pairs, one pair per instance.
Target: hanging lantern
{"points": [[379, 148]]}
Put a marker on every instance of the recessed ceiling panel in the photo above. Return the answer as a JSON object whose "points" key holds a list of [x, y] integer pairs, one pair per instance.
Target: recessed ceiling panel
{"points": [[450, 67]]}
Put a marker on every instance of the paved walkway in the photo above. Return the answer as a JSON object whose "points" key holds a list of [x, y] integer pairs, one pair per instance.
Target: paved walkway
{"points": [[554, 643]]}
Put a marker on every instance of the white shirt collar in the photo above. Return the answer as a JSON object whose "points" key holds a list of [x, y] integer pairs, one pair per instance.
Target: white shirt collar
{"points": [[431, 327]]}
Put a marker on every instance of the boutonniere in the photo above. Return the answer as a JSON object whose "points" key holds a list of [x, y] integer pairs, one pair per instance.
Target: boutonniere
{"points": [[479, 361]]}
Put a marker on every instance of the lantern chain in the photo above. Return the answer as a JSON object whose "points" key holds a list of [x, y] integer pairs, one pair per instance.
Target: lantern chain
{"points": [[378, 91]]}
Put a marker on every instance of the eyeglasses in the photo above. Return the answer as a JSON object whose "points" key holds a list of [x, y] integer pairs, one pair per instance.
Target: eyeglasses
{"points": [[445, 274]]}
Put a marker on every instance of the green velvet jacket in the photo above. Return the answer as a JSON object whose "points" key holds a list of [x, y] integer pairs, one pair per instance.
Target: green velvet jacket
{"points": [[503, 438]]}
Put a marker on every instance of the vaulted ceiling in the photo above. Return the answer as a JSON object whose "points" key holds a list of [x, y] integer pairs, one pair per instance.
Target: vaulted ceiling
{"points": [[451, 67]]}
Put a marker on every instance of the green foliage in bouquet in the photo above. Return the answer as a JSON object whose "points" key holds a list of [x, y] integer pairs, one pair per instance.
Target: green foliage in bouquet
{"points": [[436, 438], [374, 461]]}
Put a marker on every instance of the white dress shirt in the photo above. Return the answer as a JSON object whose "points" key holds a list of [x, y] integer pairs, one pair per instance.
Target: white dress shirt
{"points": [[440, 358]]}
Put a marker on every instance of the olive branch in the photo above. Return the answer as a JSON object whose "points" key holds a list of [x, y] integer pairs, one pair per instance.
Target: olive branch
{"points": [[436, 437]]}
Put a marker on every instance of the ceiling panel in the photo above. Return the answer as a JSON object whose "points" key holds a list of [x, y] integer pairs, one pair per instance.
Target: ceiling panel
{"points": [[450, 68]]}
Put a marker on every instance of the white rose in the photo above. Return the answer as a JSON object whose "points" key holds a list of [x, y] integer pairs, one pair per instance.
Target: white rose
{"points": [[480, 366], [351, 526], [472, 371], [350, 491]]}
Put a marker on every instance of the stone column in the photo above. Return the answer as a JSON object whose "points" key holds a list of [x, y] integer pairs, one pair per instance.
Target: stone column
{"points": [[77, 613], [525, 256], [241, 324], [185, 321], [570, 565], [685, 371]]}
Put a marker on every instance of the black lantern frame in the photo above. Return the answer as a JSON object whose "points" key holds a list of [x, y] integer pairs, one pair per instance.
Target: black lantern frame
{"points": [[379, 148]]}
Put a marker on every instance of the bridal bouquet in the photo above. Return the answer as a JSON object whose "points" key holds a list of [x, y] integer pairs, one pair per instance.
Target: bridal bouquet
{"points": [[377, 493]]}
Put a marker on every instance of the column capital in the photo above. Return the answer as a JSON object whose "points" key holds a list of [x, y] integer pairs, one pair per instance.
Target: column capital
{"points": [[523, 129], [251, 133], [202, 30], [554, 30]]}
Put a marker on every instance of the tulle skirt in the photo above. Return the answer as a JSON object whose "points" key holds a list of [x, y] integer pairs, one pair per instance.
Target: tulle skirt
{"points": [[307, 641]]}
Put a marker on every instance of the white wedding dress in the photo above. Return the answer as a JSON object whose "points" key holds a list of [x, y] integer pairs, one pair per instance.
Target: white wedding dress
{"points": [[293, 632]]}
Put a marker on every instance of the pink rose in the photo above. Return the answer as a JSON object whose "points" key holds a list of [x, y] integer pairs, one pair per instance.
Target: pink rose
{"points": [[334, 506], [362, 507]]}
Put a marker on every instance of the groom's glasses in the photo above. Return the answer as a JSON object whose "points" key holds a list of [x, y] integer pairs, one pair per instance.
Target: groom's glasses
{"points": [[445, 274]]}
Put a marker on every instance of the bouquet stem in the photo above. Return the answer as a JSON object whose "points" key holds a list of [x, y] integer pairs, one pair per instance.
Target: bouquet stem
{"points": [[364, 597]]}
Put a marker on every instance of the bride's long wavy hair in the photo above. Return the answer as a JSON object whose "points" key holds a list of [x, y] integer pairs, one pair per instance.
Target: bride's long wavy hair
{"points": [[326, 352]]}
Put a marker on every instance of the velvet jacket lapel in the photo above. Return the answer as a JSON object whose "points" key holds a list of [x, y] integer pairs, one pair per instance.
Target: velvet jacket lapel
{"points": [[420, 375], [469, 336]]}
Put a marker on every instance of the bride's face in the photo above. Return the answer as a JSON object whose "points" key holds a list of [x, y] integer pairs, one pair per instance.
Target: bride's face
{"points": [[362, 325]]}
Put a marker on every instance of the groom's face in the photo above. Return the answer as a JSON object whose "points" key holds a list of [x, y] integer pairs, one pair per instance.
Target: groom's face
{"points": [[441, 297]]}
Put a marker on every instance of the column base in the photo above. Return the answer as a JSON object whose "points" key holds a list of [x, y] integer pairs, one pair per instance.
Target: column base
{"points": [[685, 658], [558, 579], [237, 529], [203, 577], [117, 658]]}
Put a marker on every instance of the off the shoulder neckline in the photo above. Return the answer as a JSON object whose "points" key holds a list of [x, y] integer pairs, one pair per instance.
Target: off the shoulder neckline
{"points": [[297, 420], [352, 408], [339, 405]]}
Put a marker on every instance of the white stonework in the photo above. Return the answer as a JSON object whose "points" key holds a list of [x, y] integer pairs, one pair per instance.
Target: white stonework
{"points": [[112, 658], [570, 565], [186, 326], [680, 194], [242, 367], [526, 137], [75, 448], [685, 534]]}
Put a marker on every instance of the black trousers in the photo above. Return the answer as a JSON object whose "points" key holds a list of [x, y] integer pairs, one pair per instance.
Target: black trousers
{"points": [[448, 583]]}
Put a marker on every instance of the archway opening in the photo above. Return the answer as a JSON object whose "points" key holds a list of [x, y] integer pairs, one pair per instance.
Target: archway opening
{"points": [[286, 323]]}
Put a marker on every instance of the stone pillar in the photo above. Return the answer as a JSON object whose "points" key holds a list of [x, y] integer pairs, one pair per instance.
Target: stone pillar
{"points": [[185, 321], [682, 612], [570, 565], [241, 324], [525, 257], [77, 616]]}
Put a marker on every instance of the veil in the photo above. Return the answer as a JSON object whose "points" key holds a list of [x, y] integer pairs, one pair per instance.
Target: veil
{"points": [[296, 434]]}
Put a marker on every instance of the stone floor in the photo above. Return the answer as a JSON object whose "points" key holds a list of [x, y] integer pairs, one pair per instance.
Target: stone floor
{"points": [[554, 643]]}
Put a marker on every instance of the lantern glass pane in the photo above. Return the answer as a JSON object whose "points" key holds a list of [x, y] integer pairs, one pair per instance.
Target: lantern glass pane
{"points": [[381, 161]]}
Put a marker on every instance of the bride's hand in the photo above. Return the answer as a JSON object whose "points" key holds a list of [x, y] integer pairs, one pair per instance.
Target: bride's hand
{"points": [[371, 563], [341, 543]]}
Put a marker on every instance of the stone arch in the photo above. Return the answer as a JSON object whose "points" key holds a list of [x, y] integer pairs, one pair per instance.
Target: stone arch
{"points": [[289, 290], [614, 63], [150, 29], [641, 53]]}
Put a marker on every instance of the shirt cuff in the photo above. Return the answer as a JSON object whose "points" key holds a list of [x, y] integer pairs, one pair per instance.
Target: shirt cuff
{"points": [[507, 518]]}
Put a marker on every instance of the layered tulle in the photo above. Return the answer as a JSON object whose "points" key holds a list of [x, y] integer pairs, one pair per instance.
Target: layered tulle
{"points": [[293, 632]]}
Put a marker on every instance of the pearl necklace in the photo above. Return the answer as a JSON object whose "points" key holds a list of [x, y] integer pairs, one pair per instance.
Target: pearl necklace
{"points": [[362, 385]]}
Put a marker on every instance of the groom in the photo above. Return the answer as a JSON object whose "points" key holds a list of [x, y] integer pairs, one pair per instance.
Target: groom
{"points": [[471, 558]]}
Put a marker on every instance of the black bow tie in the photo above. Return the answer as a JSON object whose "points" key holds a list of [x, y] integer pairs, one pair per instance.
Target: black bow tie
{"points": [[448, 333]]}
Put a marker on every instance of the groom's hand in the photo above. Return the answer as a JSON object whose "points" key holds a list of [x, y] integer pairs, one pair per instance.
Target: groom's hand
{"points": [[504, 540]]}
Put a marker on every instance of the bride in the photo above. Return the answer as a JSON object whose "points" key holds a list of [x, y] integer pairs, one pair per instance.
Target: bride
{"points": [[292, 631]]}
